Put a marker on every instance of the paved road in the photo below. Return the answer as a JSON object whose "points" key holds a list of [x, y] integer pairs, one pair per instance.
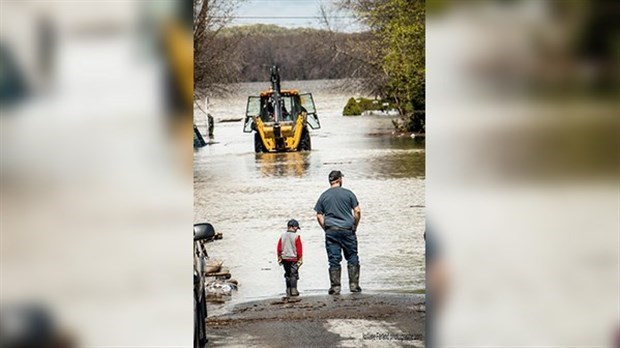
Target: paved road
{"points": [[348, 320]]}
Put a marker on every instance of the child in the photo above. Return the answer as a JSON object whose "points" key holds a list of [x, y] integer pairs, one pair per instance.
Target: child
{"points": [[290, 255]]}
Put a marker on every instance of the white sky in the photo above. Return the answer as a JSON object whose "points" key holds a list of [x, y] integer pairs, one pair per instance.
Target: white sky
{"points": [[280, 12]]}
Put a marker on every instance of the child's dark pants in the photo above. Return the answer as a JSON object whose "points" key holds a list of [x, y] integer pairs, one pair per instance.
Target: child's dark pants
{"points": [[291, 275]]}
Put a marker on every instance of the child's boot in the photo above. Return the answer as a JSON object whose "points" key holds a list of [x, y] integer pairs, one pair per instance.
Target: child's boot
{"points": [[288, 287], [293, 282]]}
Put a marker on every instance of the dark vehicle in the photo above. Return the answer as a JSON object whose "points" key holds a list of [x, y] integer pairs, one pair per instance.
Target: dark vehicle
{"points": [[202, 233]]}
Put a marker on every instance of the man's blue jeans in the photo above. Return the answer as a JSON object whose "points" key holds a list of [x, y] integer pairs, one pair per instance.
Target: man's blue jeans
{"points": [[338, 242]]}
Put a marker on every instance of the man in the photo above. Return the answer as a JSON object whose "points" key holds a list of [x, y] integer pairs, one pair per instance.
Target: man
{"points": [[338, 213]]}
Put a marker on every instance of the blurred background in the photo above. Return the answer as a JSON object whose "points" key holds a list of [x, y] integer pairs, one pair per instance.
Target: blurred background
{"points": [[522, 172], [96, 173]]}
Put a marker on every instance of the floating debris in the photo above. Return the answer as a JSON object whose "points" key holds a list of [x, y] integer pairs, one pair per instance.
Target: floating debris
{"points": [[224, 120], [219, 288]]}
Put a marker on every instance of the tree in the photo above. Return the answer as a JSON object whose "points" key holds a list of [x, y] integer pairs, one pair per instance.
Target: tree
{"points": [[395, 55], [214, 57], [301, 53]]}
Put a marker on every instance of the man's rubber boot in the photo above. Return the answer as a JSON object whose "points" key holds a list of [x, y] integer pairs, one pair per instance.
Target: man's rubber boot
{"points": [[294, 291], [354, 278], [334, 279]]}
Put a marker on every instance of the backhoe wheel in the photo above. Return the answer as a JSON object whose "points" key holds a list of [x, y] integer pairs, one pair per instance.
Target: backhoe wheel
{"points": [[304, 143], [258, 144]]}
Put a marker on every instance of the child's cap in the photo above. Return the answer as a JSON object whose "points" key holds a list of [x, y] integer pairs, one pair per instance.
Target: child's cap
{"points": [[293, 223]]}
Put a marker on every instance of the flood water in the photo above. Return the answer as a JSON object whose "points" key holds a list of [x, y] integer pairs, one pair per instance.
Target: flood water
{"points": [[249, 197]]}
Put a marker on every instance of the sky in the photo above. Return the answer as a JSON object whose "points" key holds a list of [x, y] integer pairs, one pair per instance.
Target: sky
{"points": [[293, 14]]}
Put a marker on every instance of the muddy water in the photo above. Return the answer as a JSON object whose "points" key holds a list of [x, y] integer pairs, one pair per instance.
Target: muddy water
{"points": [[249, 197]]}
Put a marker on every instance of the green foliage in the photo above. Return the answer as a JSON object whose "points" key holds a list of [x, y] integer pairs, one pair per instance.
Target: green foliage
{"points": [[402, 31], [398, 28], [368, 104], [352, 108]]}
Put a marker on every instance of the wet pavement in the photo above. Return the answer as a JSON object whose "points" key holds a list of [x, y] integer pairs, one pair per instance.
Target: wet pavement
{"points": [[349, 320], [249, 197]]}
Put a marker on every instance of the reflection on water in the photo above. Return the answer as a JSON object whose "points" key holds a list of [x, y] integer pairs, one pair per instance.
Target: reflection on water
{"points": [[249, 197], [283, 164]]}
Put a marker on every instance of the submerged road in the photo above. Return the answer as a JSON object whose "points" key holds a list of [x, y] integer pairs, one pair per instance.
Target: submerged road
{"points": [[249, 198]]}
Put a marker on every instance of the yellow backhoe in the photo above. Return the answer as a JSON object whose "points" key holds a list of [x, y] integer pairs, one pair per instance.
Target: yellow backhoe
{"points": [[280, 118]]}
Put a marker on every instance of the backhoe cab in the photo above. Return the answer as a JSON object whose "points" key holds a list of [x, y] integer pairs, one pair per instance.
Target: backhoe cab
{"points": [[280, 118]]}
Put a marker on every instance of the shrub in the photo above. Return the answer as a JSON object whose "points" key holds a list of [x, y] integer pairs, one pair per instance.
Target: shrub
{"points": [[352, 108], [368, 104]]}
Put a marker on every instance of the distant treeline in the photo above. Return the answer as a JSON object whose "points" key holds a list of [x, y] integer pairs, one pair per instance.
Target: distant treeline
{"points": [[301, 54]]}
